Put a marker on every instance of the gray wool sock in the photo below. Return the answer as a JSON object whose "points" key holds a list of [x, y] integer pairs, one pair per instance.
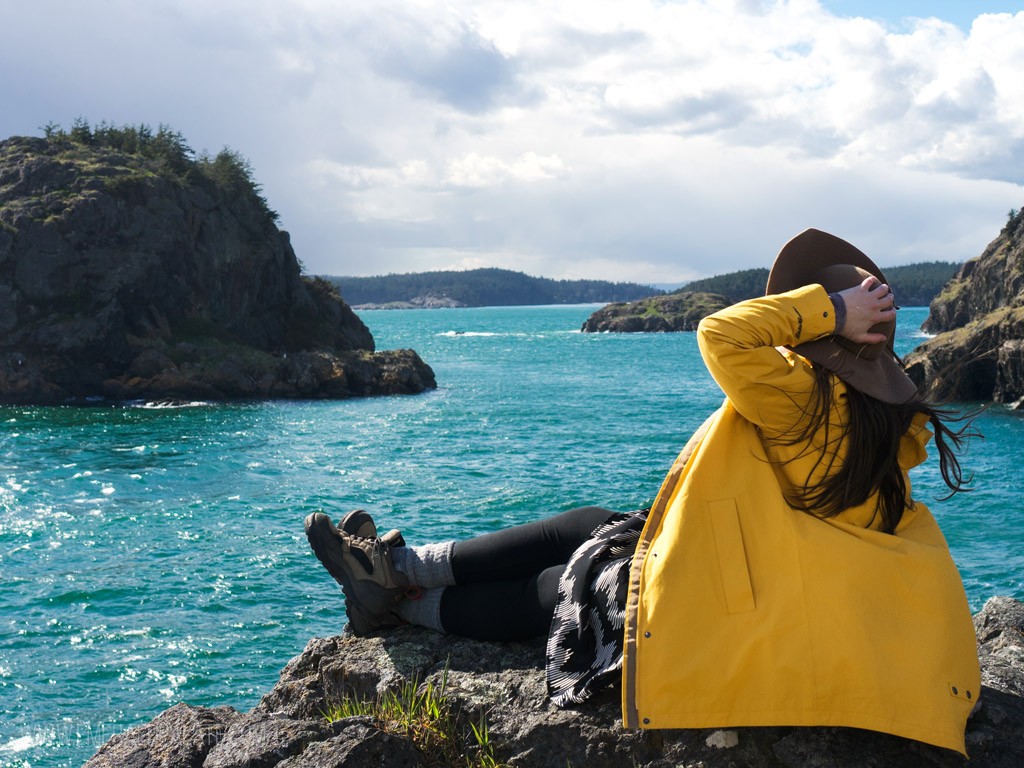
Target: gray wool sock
{"points": [[428, 566], [424, 611]]}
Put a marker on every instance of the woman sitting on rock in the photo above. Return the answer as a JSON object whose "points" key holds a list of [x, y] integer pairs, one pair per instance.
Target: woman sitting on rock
{"points": [[783, 576]]}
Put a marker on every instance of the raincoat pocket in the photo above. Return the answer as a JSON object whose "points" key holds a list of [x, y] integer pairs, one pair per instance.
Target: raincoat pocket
{"points": [[732, 556]]}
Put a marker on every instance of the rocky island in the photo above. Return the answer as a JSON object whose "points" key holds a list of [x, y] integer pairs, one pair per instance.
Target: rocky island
{"points": [[302, 723], [978, 353], [130, 269], [680, 311]]}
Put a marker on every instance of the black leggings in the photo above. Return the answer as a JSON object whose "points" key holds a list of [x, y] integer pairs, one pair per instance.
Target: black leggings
{"points": [[506, 582]]}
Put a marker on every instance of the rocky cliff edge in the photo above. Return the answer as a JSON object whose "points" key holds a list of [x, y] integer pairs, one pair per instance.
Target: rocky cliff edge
{"points": [[503, 683], [130, 275], [978, 352]]}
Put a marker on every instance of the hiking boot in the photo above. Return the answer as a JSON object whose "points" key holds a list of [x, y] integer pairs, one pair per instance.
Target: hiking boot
{"points": [[363, 566]]}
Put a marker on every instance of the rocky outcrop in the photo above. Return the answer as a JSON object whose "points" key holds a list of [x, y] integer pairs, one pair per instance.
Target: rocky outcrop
{"points": [[978, 353], [657, 314], [504, 684], [122, 277]]}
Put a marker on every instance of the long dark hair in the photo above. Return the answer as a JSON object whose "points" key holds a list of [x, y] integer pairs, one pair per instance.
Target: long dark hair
{"points": [[872, 433]]}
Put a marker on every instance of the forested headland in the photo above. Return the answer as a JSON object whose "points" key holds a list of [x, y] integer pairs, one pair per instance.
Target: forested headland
{"points": [[915, 285], [481, 288]]}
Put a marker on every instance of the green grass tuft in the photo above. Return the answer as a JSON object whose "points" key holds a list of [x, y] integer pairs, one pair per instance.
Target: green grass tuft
{"points": [[426, 716]]}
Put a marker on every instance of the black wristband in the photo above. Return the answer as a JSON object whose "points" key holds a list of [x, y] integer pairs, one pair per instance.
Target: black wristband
{"points": [[839, 307]]}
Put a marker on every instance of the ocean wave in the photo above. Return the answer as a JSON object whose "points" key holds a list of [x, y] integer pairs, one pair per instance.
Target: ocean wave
{"points": [[27, 742], [159, 405]]}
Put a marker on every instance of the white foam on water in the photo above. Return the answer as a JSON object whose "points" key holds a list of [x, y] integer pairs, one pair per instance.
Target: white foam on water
{"points": [[27, 742], [166, 405]]}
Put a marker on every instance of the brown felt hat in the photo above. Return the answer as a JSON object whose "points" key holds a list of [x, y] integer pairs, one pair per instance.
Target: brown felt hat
{"points": [[816, 257]]}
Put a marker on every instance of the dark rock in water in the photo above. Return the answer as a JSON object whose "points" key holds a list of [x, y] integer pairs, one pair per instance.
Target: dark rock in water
{"points": [[504, 683], [982, 361], [978, 353], [657, 314], [124, 278]]}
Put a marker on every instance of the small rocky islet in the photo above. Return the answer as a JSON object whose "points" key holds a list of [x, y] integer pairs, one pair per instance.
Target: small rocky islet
{"points": [[657, 314], [131, 270]]}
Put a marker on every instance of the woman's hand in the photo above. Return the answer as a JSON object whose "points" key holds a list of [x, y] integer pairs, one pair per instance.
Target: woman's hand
{"points": [[867, 304]]}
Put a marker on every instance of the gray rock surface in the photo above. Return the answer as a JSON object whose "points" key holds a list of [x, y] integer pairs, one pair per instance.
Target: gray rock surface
{"points": [[260, 740], [122, 278], [504, 682], [181, 736], [358, 745], [978, 353], [657, 314]]}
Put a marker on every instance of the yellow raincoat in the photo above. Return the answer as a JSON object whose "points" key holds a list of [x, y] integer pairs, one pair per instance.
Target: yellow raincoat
{"points": [[745, 612]]}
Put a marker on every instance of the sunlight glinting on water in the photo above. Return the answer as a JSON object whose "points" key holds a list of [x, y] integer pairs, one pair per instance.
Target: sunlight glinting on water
{"points": [[156, 554]]}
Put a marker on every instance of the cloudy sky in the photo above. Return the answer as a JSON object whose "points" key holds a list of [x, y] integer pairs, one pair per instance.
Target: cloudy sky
{"points": [[642, 140]]}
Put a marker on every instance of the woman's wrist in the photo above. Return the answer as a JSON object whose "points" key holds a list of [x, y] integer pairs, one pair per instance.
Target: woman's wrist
{"points": [[839, 311]]}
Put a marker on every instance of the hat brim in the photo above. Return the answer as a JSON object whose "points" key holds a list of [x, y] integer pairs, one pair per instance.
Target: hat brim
{"points": [[882, 378]]}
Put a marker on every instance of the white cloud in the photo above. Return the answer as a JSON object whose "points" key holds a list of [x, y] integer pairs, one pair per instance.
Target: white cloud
{"points": [[474, 170], [413, 173], [630, 139]]}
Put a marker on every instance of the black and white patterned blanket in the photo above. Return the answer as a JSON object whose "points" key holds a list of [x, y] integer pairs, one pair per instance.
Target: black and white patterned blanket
{"points": [[584, 651]]}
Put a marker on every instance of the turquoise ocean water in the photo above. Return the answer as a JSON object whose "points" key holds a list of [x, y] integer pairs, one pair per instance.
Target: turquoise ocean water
{"points": [[151, 555]]}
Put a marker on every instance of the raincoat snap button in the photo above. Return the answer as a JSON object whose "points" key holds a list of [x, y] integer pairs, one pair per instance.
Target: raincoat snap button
{"points": [[647, 721], [968, 694], [955, 691], [647, 634]]}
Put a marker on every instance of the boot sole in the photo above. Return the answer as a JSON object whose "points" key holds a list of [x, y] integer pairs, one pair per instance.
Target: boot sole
{"points": [[362, 625]]}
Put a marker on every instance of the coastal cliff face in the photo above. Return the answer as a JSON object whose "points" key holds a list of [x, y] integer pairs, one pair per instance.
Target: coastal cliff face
{"points": [[657, 314], [978, 353], [123, 277], [503, 684]]}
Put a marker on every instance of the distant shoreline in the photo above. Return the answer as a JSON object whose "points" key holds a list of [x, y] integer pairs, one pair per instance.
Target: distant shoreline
{"points": [[915, 284], [391, 306]]}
